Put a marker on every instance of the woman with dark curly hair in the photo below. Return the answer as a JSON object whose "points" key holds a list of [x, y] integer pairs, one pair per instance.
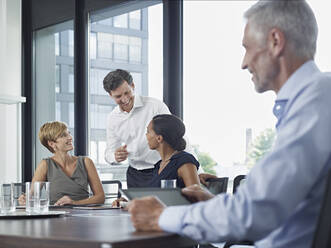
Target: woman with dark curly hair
{"points": [[165, 134]]}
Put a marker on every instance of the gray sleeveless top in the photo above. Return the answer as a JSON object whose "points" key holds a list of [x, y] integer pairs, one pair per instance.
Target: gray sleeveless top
{"points": [[76, 186]]}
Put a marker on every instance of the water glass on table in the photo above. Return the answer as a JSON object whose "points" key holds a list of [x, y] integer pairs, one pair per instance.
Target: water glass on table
{"points": [[167, 184], [7, 201], [19, 189], [37, 197], [43, 195], [30, 198]]}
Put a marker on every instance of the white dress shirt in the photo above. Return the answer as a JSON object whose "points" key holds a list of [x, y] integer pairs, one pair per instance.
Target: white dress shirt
{"points": [[130, 129], [279, 202]]}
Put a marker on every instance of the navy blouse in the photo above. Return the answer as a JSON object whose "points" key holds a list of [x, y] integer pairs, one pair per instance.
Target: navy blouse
{"points": [[170, 171]]}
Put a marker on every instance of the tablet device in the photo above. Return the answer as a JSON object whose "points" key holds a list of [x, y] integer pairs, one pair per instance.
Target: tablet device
{"points": [[170, 197], [217, 185]]}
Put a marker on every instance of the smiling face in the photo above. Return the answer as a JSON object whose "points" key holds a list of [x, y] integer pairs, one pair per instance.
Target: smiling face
{"points": [[258, 60], [63, 142], [123, 95]]}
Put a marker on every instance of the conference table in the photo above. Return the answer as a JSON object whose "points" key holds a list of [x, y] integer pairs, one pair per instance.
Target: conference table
{"points": [[109, 228]]}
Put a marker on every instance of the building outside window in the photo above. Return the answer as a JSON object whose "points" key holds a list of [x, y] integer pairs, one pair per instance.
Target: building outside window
{"points": [[54, 79], [121, 41], [224, 115], [222, 112]]}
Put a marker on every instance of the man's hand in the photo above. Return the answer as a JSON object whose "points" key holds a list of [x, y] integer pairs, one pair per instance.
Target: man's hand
{"points": [[195, 193], [204, 176], [121, 154], [145, 213]]}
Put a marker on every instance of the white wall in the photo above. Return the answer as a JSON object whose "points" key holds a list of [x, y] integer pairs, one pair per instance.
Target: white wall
{"points": [[10, 85]]}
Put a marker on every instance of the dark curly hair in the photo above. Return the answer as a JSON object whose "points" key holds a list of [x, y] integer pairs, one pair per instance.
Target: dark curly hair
{"points": [[172, 130], [115, 78]]}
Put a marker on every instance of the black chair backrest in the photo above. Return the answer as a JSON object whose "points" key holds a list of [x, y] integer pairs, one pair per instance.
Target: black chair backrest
{"points": [[108, 186], [237, 181], [217, 185], [246, 243], [322, 237]]}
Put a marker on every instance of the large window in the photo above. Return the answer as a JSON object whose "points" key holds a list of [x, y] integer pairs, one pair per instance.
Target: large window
{"points": [[321, 9], [224, 115], [222, 112], [54, 78], [132, 41]]}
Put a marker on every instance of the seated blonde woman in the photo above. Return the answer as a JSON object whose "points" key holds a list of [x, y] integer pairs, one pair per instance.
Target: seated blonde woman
{"points": [[69, 175]]}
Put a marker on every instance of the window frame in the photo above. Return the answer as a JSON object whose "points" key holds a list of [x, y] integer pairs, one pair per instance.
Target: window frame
{"points": [[37, 14]]}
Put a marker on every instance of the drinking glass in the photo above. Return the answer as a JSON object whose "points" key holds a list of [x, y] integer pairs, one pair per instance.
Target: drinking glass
{"points": [[37, 197], [42, 190], [166, 184], [30, 198], [18, 191], [7, 201]]}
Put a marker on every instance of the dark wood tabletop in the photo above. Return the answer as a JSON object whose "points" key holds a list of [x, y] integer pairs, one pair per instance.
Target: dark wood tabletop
{"points": [[83, 228]]}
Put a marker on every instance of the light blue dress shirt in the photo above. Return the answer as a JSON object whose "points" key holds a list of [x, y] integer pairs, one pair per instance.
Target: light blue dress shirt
{"points": [[279, 202]]}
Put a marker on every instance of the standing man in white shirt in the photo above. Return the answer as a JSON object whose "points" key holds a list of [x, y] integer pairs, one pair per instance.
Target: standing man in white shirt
{"points": [[126, 127]]}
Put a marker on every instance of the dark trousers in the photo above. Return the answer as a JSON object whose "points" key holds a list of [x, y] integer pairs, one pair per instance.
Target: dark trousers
{"points": [[138, 178]]}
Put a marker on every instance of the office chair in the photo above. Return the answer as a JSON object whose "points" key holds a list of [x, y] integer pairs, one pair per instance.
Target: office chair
{"points": [[111, 189], [322, 236], [217, 185], [236, 182]]}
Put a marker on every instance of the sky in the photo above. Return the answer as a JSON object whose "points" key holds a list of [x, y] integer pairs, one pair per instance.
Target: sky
{"points": [[220, 101]]}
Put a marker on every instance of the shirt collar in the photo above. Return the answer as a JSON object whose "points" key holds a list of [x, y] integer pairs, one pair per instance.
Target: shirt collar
{"points": [[138, 102], [294, 84], [177, 155], [297, 81]]}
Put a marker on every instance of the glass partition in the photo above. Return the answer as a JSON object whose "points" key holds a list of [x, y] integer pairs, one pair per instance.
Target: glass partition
{"points": [[224, 115], [122, 39], [54, 79]]}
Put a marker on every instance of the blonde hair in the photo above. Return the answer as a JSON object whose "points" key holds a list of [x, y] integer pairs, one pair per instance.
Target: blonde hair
{"points": [[50, 131]]}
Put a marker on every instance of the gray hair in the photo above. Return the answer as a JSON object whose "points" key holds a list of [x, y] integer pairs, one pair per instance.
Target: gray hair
{"points": [[293, 17]]}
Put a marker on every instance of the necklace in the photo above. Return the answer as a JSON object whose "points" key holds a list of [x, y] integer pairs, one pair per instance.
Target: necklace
{"points": [[165, 162]]}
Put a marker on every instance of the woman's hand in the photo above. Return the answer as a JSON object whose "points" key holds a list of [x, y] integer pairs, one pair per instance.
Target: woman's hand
{"points": [[21, 199], [117, 202], [65, 200], [204, 178]]}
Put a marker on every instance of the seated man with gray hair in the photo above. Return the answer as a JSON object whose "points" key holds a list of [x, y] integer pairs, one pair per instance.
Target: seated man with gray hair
{"points": [[279, 203]]}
